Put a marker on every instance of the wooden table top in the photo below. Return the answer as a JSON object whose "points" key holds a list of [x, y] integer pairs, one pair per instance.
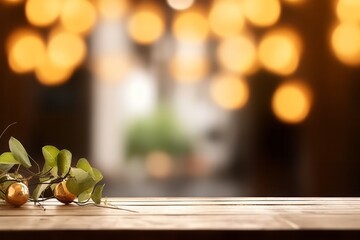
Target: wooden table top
{"points": [[188, 214]]}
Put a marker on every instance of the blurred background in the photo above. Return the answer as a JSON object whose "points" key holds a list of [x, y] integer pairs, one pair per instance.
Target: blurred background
{"points": [[189, 97]]}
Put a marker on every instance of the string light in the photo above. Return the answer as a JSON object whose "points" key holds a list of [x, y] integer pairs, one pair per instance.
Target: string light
{"points": [[291, 102], [279, 51], [229, 91], [146, 24]]}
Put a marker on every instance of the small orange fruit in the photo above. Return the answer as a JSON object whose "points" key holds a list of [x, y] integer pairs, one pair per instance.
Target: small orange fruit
{"points": [[17, 194], [62, 194]]}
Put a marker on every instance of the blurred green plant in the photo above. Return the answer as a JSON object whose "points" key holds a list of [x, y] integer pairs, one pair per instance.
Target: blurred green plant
{"points": [[159, 131]]}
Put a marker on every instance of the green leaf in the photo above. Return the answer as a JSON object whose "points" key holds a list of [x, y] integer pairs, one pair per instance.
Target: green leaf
{"points": [[19, 152], [79, 182], [86, 195], [97, 175], [7, 161], [40, 189], [85, 165], [79, 174], [64, 162], [50, 155], [53, 170], [97, 194], [8, 158]]}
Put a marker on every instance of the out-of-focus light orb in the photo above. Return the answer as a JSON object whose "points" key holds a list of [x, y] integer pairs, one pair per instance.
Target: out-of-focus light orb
{"points": [[294, 1], [66, 50], [291, 102], [78, 16], [189, 69], [112, 9], [11, 1], [237, 54], [279, 51], [262, 13], [42, 13], [180, 4], [226, 17], [26, 49], [111, 68], [159, 164], [146, 25], [50, 74], [345, 42], [348, 10], [229, 92], [190, 26]]}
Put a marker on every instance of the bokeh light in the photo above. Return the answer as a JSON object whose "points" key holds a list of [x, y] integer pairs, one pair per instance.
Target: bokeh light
{"points": [[112, 9], [345, 42], [190, 26], [189, 69], [226, 18], [50, 74], [280, 50], [66, 50], [159, 164], [229, 92], [294, 1], [262, 13], [25, 50], [180, 4], [348, 10], [237, 54], [111, 67], [42, 13], [78, 16], [146, 24], [291, 102], [10, 2]]}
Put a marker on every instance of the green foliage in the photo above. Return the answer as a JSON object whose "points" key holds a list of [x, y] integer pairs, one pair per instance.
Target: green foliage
{"points": [[158, 132], [96, 196], [81, 180], [7, 161], [64, 162], [19, 152]]}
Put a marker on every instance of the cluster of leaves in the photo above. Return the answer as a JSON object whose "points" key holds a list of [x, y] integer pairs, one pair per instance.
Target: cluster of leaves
{"points": [[81, 180]]}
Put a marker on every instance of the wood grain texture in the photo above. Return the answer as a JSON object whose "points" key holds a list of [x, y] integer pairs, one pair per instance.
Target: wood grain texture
{"points": [[188, 214]]}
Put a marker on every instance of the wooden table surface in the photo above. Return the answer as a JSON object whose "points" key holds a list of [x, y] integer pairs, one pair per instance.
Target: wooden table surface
{"points": [[176, 216]]}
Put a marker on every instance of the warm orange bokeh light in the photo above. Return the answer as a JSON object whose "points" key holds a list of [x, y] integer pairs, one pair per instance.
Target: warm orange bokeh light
{"points": [[291, 102], [237, 54], [262, 13], [112, 9], [42, 13], [50, 74], [66, 50], [229, 92], [345, 42], [12, 1], [159, 164], [146, 24], [25, 49], [190, 26], [189, 69], [348, 10], [111, 67], [180, 4], [226, 18], [294, 1], [78, 16], [279, 51]]}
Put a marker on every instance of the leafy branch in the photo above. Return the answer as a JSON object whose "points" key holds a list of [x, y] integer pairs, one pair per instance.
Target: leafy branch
{"points": [[66, 182]]}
